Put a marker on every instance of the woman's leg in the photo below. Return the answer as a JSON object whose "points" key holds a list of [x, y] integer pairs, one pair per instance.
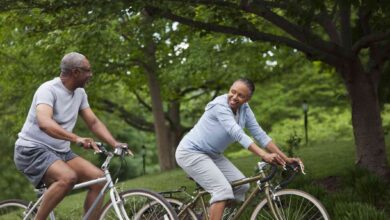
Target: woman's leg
{"points": [[231, 173], [205, 172]]}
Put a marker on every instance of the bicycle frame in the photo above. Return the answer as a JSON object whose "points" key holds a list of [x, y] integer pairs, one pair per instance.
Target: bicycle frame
{"points": [[114, 195], [247, 201]]}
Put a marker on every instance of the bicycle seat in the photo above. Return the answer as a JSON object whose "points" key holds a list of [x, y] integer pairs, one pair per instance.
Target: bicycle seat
{"points": [[40, 189]]}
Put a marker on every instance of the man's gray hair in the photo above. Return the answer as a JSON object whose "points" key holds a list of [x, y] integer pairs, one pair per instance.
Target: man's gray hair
{"points": [[71, 61]]}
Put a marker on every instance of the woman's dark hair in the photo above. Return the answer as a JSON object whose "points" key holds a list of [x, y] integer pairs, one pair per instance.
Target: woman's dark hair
{"points": [[248, 83]]}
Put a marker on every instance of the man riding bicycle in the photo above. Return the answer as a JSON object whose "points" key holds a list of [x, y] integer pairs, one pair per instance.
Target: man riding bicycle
{"points": [[42, 151]]}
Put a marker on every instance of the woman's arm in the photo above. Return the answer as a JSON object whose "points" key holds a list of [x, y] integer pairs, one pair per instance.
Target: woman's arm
{"points": [[267, 157], [271, 146]]}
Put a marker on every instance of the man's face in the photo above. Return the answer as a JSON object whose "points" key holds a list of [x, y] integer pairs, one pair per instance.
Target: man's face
{"points": [[238, 94], [83, 74]]}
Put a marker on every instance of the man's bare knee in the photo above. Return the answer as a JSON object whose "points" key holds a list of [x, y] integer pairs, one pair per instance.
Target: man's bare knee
{"points": [[99, 186], [67, 181]]}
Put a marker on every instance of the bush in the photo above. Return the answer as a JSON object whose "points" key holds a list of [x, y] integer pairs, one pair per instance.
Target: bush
{"points": [[367, 187], [13, 184]]}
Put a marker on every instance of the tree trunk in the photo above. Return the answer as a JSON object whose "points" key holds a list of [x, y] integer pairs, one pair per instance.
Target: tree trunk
{"points": [[176, 130], [366, 118], [166, 154]]}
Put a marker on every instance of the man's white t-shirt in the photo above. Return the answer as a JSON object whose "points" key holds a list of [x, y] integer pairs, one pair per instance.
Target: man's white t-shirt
{"points": [[66, 105]]}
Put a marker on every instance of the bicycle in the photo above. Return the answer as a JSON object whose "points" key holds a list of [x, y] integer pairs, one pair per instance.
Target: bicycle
{"points": [[123, 205], [276, 204]]}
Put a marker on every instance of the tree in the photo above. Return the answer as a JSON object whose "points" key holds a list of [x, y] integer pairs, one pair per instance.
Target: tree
{"points": [[351, 36], [129, 50]]}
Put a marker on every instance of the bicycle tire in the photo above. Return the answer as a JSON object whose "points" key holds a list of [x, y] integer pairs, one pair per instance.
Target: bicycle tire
{"points": [[176, 205], [135, 201], [14, 209], [291, 204]]}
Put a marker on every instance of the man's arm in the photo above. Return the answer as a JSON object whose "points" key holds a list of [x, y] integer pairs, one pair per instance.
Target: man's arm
{"points": [[44, 114], [97, 127], [46, 123]]}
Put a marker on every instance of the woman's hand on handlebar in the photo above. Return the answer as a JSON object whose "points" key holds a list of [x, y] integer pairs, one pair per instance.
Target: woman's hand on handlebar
{"points": [[273, 158], [297, 161]]}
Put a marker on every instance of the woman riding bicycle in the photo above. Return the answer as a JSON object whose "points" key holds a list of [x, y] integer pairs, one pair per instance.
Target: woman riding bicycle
{"points": [[200, 152]]}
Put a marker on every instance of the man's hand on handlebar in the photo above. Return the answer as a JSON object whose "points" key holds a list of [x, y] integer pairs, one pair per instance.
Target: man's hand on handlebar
{"points": [[124, 146], [88, 143]]}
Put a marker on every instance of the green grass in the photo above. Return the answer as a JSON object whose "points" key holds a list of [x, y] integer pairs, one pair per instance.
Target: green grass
{"points": [[321, 160]]}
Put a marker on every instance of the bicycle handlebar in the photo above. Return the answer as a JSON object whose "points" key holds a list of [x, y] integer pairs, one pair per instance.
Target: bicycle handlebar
{"points": [[261, 165], [292, 169], [120, 150]]}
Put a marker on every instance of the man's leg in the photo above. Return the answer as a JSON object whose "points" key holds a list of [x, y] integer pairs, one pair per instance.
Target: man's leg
{"points": [[85, 171], [60, 178]]}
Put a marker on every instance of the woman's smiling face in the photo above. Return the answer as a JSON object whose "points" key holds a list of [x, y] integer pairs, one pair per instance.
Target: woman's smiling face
{"points": [[238, 94]]}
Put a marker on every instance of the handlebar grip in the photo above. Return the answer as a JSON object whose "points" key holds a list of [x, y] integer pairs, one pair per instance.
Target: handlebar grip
{"points": [[101, 146], [292, 168]]}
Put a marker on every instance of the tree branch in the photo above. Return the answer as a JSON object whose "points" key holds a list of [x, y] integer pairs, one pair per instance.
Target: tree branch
{"points": [[140, 100], [128, 117], [329, 27], [302, 34], [384, 54], [345, 17], [311, 52], [367, 40]]}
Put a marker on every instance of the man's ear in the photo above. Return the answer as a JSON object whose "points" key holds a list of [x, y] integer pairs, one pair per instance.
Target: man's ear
{"points": [[75, 72]]}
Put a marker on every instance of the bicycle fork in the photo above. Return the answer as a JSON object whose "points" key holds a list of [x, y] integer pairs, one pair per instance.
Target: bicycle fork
{"points": [[272, 204], [271, 199], [117, 203]]}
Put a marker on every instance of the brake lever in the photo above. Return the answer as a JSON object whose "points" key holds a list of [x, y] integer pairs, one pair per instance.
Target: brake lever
{"points": [[302, 167], [129, 152]]}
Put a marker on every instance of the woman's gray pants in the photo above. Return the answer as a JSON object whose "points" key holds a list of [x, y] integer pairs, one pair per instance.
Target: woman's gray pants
{"points": [[214, 173]]}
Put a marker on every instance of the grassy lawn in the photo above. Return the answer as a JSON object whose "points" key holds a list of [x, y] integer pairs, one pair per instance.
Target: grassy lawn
{"points": [[322, 160]]}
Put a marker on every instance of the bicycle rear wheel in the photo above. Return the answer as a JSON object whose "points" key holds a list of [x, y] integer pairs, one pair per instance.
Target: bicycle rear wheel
{"points": [[177, 206], [14, 209], [141, 204], [291, 204]]}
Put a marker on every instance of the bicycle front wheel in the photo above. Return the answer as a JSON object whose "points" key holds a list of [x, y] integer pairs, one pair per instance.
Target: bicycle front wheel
{"points": [[141, 204], [14, 209], [291, 204]]}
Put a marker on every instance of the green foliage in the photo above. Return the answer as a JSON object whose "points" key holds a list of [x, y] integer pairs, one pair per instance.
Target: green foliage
{"points": [[368, 188], [13, 184], [358, 211], [292, 144], [386, 118]]}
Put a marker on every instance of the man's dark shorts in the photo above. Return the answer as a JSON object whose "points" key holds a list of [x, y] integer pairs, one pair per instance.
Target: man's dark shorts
{"points": [[33, 162]]}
